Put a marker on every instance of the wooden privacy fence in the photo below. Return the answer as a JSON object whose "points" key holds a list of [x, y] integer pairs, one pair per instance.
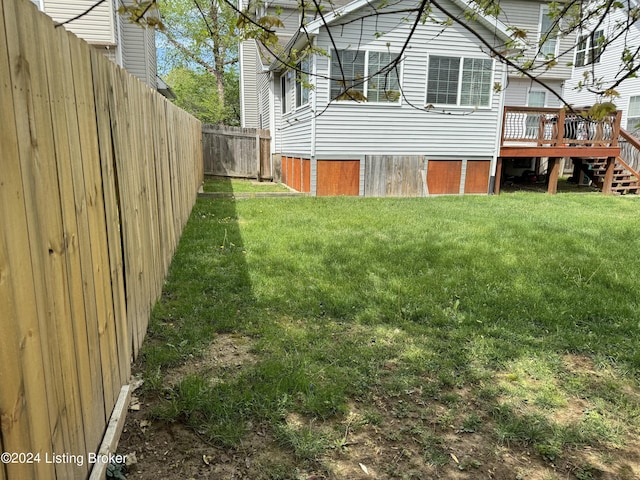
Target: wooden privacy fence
{"points": [[236, 152], [98, 174]]}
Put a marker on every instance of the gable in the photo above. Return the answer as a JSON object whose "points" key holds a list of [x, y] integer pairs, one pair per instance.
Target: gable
{"points": [[455, 8], [391, 29]]}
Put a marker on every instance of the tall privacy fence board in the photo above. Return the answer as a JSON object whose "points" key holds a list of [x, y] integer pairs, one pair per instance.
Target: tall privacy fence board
{"points": [[237, 152], [98, 175]]}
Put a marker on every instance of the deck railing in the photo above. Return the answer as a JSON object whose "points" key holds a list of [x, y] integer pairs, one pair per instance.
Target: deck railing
{"points": [[557, 127], [630, 149]]}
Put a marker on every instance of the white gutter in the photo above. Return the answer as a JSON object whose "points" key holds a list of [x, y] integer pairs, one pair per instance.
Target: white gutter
{"points": [[272, 117], [242, 94], [117, 31], [314, 111], [496, 152]]}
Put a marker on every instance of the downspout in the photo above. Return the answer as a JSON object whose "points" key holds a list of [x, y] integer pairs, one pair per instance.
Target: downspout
{"points": [[117, 26], [314, 105], [242, 75], [496, 151], [272, 119]]}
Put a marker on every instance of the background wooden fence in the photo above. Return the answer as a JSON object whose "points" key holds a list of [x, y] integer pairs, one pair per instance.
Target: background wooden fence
{"points": [[236, 152], [98, 175]]}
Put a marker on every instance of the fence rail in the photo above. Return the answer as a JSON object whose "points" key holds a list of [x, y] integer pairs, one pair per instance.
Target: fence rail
{"points": [[98, 174], [236, 152]]}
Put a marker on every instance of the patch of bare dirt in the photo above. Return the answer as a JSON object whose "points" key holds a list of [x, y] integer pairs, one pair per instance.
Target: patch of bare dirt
{"points": [[404, 436], [580, 364], [227, 353]]}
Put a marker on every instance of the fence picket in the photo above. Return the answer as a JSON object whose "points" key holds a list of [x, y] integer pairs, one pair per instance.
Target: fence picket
{"points": [[35, 147], [236, 152], [66, 147], [25, 424], [93, 198]]}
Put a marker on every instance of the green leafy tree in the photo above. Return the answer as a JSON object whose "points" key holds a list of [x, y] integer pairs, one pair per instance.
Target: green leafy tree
{"points": [[199, 36], [197, 92]]}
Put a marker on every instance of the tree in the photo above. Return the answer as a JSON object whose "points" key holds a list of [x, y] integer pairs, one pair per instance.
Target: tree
{"points": [[197, 92], [197, 36]]}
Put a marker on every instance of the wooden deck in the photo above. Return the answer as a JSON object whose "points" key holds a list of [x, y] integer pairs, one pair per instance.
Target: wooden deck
{"points": [[530, 132]]}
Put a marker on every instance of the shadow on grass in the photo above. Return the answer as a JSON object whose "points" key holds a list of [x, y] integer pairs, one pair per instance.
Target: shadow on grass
{"points": [[362, 306]]}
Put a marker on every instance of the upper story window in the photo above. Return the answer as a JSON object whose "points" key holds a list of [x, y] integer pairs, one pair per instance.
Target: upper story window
{"points": [[536, 98], [302, 82], [633, 115], [284, 97], [589, 48], [359, 79], [548, 41], [458, 81]]}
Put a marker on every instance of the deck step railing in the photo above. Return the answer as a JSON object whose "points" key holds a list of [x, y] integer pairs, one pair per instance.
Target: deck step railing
{"points": [[630, 149], [557, 127], [624, 179]]}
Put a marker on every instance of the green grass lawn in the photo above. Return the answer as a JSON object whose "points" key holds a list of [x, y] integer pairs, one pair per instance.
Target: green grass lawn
{"points": [[409, 338], [240, 185]]}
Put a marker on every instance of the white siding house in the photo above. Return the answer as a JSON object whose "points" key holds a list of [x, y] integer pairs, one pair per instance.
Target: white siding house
{"points": [[255, 60], [129, 45], [430, 126], [606, 66]]}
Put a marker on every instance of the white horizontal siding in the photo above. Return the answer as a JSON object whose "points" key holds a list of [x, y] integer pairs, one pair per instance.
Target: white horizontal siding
{"points": [[525, 14], [517, 92], [137, 55], [248, 86], [354, 129], [151, 58], [263, 100], [608, 70], [276, 133], [290, 17], [295, 131], [97, 26]]}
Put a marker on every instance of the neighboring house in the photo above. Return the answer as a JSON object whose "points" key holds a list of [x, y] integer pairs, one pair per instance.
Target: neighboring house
{"points": [[605, 64], [125, 43], [432, 126], [532, 16]]}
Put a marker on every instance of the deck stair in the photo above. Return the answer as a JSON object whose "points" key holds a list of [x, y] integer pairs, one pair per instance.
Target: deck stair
{"points": [[625, 179]]}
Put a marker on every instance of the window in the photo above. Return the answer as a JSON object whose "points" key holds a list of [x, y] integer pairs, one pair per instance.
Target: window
{"points": [[384, 87], [537, 98], [589, 48], [283, 93], [352, 84], [476, 82], [302, 83], [548, 41], [633, 115], [459, 81]]}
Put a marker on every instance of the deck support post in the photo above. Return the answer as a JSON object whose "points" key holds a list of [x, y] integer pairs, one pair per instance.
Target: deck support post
{"points": [[608, 176], [553, 172]]}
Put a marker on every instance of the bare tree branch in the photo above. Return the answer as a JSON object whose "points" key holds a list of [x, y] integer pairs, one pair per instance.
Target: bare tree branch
{"points": [[80, 15]]}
